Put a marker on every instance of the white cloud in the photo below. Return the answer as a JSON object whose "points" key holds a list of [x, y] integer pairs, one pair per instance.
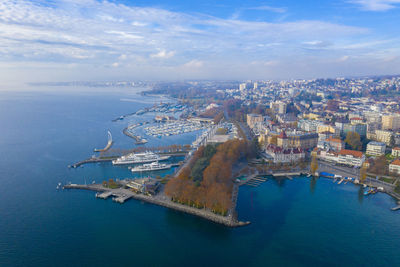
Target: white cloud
{"points": [[376, 5], [194, 64], [92, 36], [163, 54]]}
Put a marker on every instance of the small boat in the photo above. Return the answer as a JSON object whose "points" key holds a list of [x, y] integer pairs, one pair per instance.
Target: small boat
{"points": [[366, 192]]}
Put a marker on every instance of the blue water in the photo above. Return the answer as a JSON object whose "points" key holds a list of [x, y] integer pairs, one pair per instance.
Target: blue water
{"points": [[294, 223]]}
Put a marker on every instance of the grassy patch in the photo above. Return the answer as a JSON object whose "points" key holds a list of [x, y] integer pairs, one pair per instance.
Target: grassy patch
{"points": [[386, 180]]}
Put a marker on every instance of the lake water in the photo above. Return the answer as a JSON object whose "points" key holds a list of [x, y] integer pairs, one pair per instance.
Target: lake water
{"points": [[294, 223]]}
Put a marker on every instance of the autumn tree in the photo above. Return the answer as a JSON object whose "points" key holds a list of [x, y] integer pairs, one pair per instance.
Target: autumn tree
{"points": [[379, 166], [353, 140], [314, 163], [363, 173]]}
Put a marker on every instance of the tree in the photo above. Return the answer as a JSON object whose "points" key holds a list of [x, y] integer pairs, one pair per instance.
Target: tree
{"points": [[314, 163], [392, 142], [353, 140], [380, 165], [363, 173]]}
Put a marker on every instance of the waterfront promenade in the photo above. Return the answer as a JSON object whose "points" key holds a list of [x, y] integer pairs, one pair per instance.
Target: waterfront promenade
{"points": [[161, 199]]}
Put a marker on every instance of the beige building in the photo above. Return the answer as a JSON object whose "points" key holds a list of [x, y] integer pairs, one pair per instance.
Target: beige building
{"points": [[303, 140], [328, 128], [390, 122], [383, 136], [252, 119]]}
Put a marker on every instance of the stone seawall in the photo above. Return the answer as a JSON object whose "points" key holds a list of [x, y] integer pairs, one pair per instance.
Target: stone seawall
{"points": [[165, 202]]}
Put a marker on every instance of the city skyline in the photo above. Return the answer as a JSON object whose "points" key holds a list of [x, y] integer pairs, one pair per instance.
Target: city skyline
{"points": [[169, 40]]}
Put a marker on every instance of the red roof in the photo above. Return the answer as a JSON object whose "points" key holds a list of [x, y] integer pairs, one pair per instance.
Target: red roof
{"points": [[336, 140], [354, 153], [396, 162], [396, 148], [283, 135]]}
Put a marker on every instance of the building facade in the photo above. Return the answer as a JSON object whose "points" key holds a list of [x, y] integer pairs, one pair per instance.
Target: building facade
{"points": [[394, 167], [253, 119], [351, 158], [390, 122], [376, 148]]}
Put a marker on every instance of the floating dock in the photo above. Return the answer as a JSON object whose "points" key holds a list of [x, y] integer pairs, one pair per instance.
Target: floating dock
{"points": [[104, 195]]}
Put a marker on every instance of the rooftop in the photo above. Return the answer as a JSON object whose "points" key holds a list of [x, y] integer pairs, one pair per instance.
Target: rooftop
{"points": [[354, 153], [396, 162], [336, 140], [375, 143]]}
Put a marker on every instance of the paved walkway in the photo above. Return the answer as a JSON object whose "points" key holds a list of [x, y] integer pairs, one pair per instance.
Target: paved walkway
{"points": [[162, 200]]}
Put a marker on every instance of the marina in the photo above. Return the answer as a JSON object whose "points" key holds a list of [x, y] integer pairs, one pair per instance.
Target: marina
{"points": [[174, 128]]}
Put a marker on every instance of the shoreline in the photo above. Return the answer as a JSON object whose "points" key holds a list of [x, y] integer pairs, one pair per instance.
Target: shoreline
{"points": [[162, 201]]}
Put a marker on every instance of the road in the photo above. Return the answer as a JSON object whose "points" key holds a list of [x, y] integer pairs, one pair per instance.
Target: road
{"points": [[340, 170]]}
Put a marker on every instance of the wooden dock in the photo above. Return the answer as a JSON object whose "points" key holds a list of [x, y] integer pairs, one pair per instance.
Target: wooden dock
{"points": [[255, 181]]}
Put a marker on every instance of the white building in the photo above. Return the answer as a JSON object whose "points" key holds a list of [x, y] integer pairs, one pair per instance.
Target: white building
{"points": [[396, 152], [351, 158], [394, 167], [376, 148]]}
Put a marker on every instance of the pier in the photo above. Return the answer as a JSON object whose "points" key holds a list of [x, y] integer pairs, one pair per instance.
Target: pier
{"points": [[396, 208], [138, 139], [91, 160], [123, 194], [109, 144]]}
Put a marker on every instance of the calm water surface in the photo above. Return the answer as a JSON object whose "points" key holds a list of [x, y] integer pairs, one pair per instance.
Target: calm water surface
{"points": [[294, 223]]}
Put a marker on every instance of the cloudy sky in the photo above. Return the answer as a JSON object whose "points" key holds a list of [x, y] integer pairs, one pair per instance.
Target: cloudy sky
{"points": [[70, 40]]}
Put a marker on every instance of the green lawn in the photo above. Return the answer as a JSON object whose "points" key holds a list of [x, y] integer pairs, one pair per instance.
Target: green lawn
{"points": [[386, 180]]}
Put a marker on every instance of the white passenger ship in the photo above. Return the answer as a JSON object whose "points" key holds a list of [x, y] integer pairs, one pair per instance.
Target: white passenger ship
{"points": [[155, 166], [134, 158]]}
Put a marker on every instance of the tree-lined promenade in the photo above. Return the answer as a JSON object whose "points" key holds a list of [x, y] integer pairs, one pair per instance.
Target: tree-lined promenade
{"points": [[206, 182]]}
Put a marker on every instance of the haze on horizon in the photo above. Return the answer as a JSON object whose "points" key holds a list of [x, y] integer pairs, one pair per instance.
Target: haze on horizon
{"points": [[68, 40]]}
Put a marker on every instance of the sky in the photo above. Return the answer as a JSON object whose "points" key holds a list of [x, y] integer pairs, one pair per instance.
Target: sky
{"points": [[90, 40]]}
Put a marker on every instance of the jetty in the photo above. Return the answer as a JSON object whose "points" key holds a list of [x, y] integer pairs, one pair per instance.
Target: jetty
{"points": [[396, 208], [255, 180], [138, 139], [109, 144], [91, 160], [122, 194], [287, 174]]}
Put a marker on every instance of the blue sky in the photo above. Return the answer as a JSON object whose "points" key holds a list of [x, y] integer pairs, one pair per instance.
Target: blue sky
{"points": [[159, 40]]}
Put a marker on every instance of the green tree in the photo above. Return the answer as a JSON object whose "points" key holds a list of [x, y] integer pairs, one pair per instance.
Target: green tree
{"points": [[392, 142], [353, 140]]}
